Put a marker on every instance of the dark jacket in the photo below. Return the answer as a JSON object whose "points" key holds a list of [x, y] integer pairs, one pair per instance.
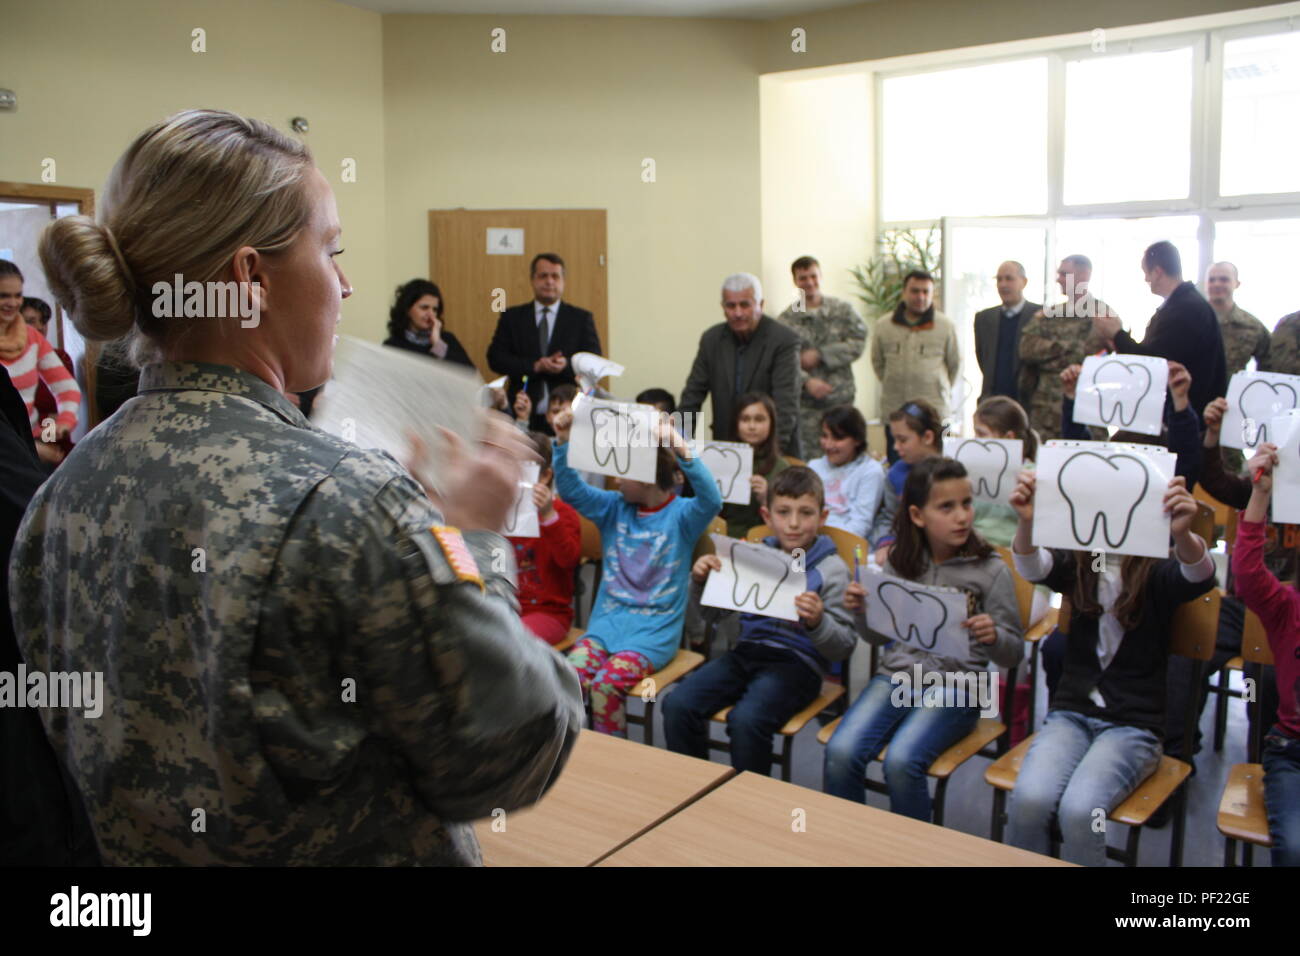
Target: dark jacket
{"points": [[987, 324], [515, 348], [1186, 330], [455, 351], [770, 365]]}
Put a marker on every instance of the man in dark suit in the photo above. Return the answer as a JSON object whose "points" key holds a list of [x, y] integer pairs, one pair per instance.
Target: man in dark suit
{"points": [[749, 352], [1184, 329], [997, 333], [535, 341]]}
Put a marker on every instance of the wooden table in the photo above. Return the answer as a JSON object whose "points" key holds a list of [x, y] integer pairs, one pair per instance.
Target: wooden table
{"points": [[749, 821], [610, 792]]}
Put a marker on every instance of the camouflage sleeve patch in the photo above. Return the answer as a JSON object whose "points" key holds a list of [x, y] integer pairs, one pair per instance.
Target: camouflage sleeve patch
{"points": [[457, 554]]}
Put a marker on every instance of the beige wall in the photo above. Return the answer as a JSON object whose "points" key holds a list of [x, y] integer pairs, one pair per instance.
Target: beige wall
{"points": [[92, 75], [888, 28], [564, 118]]}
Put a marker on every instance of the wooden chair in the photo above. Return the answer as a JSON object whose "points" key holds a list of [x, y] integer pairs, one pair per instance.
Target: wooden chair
{"points": [[1243, 817], [569, 639], [831, 691], [1193, 630], [592, 554], [1203, 524], [1033, 631], [791, 460], [877, 440], [1221, 511]]}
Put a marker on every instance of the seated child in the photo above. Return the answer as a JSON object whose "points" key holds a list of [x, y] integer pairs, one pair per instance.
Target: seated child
{"points": [[1278, 607], [647, 535], [755, 425], [546, 563], [777, 667], [936, 544], [917, 431], [561, 396], [852, 479], [1102, 736], [1002, 417]]}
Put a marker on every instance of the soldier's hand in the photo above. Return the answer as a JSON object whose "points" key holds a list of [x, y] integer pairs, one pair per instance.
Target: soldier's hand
{"points": [[479, 484], [809, 359], [818, 388], [1070, 381]]}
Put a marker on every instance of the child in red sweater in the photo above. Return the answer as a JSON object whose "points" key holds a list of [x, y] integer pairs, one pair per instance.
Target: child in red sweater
{"points": [[546, 563], [1278, 607]]}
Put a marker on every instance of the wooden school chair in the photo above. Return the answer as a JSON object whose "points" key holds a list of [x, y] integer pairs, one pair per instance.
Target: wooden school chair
{"points": [[1243, 817], [1033, 631], [831, 692], [1193, 631], [1221, 511], [1222, 688], [791, 460], [1203, 524]]}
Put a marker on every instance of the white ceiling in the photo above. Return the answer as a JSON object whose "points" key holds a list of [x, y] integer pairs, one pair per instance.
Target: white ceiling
{"points": [[738, 9]]}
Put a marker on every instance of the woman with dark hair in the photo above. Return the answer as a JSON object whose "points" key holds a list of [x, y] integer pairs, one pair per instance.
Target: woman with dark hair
{"points": [[415, 323]]}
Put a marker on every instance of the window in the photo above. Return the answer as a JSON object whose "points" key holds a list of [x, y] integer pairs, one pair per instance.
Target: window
{"points": [[1264, 253], [964, 142], [1261, 115]]}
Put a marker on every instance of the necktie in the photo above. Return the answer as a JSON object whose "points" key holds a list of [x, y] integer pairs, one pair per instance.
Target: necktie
{"points": [[544, 333]]}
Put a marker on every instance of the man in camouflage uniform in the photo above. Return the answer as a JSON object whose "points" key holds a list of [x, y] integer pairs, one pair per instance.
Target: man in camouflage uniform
{"points": [[1244, 336], [1284, 346], [832, 336], [301, 663], [1058, 336]]}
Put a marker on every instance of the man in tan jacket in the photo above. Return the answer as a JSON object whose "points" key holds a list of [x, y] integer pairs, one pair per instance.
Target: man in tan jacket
{"points": [[914, 350]]}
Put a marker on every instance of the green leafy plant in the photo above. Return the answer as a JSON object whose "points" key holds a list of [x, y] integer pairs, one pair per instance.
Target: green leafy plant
{"points": [[899, 251]]}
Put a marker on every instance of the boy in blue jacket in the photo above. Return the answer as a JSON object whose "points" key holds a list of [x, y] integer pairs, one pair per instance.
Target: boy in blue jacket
{"points": [[647, 536], [777, 666]]}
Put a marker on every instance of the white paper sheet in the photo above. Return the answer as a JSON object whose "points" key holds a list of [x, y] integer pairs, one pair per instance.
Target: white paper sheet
{"points": [[522, 520], [377, 394], [732, 465], [589, 368], [1286, 476], [927, 618], [1103, 496], [754, 578], [614, 438], [992, 463], [1254, 399], [1122, 391]]}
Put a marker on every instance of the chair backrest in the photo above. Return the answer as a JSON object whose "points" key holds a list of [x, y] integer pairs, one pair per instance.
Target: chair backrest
{"points": [[1254, 642], [791, 460], [1220, 509], [591, 549], [846, 542], [877, 440], [1195, 626], [1230, 530], [705, 544], [1204, 524], [1024, 590]]}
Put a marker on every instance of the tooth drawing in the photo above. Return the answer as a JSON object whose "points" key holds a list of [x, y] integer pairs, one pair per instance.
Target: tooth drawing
{"points": [[1110, 380], [1261, 400], [610, 432], [756, 573], [512, 516], [984, 459], [1087, 477], [923, 613], [725, 466]]}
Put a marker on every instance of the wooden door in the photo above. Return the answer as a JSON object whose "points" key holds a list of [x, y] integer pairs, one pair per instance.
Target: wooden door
{"points": [[461, 266]]}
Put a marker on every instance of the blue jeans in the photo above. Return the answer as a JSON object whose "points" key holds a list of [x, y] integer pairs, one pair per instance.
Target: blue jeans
{"points": [[916, 737], [767, 685], [1281, 760], [1075, 767]]}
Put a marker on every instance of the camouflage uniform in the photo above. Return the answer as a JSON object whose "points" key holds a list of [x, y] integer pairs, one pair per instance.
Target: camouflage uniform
{"points": [[836, 330], [1050, 342], [1284, 347], [1244, 337], [225, 686]]}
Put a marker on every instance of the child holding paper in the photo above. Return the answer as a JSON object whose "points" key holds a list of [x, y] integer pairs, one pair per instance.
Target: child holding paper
{"points": [[917, 431], [546, 563], [935, 544], [1002, 417], [777, 667], [1102, 736], [647, 535], [853, 479], [1278, 607], [755, 425]]}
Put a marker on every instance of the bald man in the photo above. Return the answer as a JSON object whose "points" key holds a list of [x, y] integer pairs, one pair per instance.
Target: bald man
{"points": [[1244, 336], [997, 333]]}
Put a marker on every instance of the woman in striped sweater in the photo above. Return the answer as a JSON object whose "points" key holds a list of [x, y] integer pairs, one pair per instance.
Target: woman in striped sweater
{"points": [[28, 357]]}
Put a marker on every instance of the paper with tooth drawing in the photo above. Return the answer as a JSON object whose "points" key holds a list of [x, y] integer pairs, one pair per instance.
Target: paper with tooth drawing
{"points": [[754, 578], [1254, 398], [732, 465], [928, 618], [522, 520], [377, 394], [992, 464], [1285, 433], [613, 438], [1122, 391], [1103, 496]]}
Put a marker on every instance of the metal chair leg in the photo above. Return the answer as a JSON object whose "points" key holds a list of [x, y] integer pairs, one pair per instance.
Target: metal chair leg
{"points": [[1180, 824], [1221, 711], [998, 823], [1229, 852], [940, 792]]}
